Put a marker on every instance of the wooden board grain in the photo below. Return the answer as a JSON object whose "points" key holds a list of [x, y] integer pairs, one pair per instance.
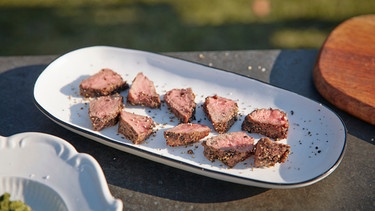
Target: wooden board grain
{"points": [[344, 72]]}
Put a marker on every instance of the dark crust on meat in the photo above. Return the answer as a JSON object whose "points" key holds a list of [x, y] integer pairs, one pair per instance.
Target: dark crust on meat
{"points": [[226, 123], [270, 130], [268, 153], [130, 132], [108, 90], [99, 123], [182, 138], [147, 100], [229, 157], [178, 111]]}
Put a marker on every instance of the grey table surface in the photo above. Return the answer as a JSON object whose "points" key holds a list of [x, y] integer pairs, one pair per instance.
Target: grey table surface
{"points": [[146, 185]]}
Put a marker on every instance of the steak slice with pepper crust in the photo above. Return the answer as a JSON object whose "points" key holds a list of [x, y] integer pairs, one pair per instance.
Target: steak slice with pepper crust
{"points": [[181, 103], [229, 148], [268, 153], [185, 133], [137, 128], [222, 112], [142, 92], [105, 82], [104, 111], [270, 122]]}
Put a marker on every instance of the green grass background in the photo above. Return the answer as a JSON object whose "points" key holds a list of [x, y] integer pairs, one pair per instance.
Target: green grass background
{"points": [[35, 27]]}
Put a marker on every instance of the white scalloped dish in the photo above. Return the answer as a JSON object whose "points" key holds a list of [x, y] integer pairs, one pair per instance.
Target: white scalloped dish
{"points": [[47, 173], [317, 136]]}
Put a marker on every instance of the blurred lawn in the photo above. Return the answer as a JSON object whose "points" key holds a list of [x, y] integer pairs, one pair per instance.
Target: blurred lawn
{"points": [[31, 27]]}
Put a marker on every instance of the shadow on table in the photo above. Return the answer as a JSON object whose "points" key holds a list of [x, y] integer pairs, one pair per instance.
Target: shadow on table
{"points": [[151, 178], [293, 70], [17, 109], [19, 114]]}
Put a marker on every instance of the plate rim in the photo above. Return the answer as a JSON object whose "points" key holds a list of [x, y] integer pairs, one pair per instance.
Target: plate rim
{"points": [[187, 166], [66, 153]]}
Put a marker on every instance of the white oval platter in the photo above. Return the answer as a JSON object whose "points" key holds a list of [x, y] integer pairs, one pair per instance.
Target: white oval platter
{"points": [[317, 136]]}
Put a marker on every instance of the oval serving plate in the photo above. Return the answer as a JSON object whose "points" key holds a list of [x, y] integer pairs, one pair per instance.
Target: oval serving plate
{"points": [[317, 136], [47, 173]]}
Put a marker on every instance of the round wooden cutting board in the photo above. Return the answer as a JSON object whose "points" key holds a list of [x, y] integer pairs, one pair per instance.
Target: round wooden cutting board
{"points": [[344, 72]]}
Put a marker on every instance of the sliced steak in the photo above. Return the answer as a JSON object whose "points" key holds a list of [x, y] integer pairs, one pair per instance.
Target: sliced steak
{"points": [[185, 133], [222, 112], [105, 82], [142, 92], [181, 103], [268, 153], [136, 128], [104, 111], [270, 122], [229, 148]]}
